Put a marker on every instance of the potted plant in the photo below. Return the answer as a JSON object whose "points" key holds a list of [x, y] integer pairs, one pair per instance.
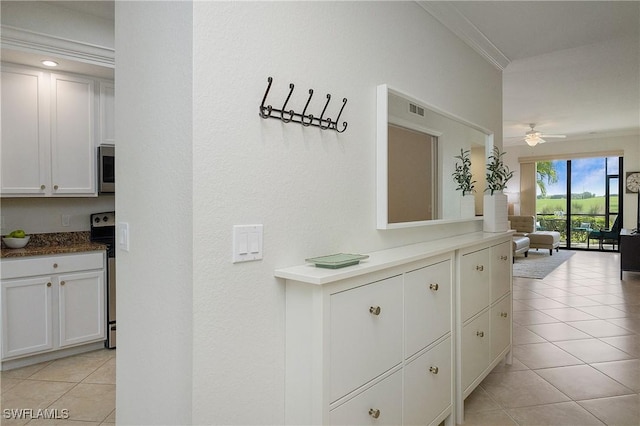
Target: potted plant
{"points": [[463, 177], [495, 203]]}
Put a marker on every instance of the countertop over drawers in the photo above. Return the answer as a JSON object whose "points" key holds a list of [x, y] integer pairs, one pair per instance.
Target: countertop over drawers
{"points": [[388, 258], [54, 243]]}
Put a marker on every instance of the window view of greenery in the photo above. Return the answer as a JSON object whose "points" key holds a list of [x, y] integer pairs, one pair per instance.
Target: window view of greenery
{"points": [[577, 197]]}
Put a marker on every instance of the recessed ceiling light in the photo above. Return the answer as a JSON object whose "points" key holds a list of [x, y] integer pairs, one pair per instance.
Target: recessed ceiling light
{"points": [[48, 63]]}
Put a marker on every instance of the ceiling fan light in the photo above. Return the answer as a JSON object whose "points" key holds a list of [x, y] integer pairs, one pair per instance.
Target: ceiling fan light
{"points": [[531, 141]]}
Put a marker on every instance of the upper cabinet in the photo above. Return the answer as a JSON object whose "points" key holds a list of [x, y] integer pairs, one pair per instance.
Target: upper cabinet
{"points": [[107, 113], [49, 133]]}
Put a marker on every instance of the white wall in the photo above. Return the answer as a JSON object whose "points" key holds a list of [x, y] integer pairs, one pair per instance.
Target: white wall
{"points": [[38, 215], [629, 145], [154, 196]]}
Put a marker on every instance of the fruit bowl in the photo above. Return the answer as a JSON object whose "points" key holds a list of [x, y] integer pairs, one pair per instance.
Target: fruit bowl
{"points": [[16, 242]]}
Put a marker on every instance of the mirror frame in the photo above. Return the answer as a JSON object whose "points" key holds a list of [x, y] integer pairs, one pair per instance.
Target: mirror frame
{"points": [[382, 122]]}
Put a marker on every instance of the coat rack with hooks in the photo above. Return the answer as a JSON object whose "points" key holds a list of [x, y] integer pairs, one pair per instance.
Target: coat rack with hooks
{"points": [[305, 119]]}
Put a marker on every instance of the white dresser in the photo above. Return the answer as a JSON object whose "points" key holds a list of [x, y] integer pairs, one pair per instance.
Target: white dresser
{"points": [[375, 343]]}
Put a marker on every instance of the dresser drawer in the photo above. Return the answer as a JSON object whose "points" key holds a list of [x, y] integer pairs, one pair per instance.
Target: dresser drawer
{"points": [[476, 348], [427, 314], [501, 265], [366, 334], [500, 326], [428, 385], [475, 275], [45, 265], [379, 405]]}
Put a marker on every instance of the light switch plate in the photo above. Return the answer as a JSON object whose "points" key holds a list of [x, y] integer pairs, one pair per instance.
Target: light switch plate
{"points": [[247, 243], [123, 236]]}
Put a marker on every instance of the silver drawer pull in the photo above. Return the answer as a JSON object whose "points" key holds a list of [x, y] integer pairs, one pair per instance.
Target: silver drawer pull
{"points": [[48, 284], [374, 413], [55, 187], [42, 186], [480, 333], [434, 287], [375, 310], [480, 268], [433, 370], [62, 283], [504, 314]]}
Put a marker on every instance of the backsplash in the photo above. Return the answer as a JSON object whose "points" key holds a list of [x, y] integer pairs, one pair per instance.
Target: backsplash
{"points": [[46, 215]]}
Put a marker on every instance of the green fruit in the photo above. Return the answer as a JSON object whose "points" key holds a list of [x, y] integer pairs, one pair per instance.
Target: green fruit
{"points": [[18, 233]]}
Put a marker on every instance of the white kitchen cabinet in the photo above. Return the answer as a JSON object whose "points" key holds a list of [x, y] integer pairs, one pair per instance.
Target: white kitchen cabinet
{"points": [[73, 155], [51, 303], [27, 316], [48, 134], [25, 138], [107, 113], [485, 326]]}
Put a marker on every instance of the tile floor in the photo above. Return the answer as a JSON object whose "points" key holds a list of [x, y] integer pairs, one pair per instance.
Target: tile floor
{"points": [[576, 359], [576, 354], [85, 385]]}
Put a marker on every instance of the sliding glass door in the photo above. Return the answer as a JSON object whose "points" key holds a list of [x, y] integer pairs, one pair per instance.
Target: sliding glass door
{"points": [[577, 197]]}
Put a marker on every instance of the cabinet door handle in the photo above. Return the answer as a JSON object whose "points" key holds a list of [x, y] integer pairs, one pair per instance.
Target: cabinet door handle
{"points": [[55, 265], [43, 187], [434, 287], [480, 333], [480, 268], [433, 370], [48, 284], [375, 310], [62, 283], [374, 413], [504, 257], [504, 314], [55, 187]]}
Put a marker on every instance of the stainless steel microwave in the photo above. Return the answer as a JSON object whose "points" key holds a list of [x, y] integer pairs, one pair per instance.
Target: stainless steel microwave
{"points": [[106, 169]]}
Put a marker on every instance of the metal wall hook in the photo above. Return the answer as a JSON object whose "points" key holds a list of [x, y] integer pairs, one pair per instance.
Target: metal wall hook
{"points": [[322, 115], [304, 118], [284, 107]]}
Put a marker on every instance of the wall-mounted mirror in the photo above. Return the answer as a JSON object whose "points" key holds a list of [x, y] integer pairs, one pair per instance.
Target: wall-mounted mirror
{"points": [[416, 146]]}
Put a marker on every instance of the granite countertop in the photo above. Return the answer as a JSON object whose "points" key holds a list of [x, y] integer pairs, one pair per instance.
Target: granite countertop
{"points": [[54, 243]]}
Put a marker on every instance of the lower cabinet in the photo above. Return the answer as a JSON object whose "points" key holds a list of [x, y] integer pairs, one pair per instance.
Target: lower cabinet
{"points": [[61, 307]]}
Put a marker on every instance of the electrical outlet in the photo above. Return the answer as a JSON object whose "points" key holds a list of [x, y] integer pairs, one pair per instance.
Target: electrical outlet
{"points": [[65, 220]]}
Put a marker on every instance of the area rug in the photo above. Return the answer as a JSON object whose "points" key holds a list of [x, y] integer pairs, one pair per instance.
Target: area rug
{"points": [[539, 264]]}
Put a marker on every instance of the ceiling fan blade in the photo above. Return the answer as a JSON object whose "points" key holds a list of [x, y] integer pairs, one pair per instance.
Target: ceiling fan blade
{"points": [[553, 136]]}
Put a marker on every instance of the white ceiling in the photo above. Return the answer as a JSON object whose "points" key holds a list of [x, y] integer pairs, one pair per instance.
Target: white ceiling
{"points": [[571, 67]]}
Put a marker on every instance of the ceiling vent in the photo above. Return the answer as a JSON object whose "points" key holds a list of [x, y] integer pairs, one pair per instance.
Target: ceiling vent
{"points": [[416, 109]]}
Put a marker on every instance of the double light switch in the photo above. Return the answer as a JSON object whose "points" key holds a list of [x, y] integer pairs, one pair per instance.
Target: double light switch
{"points": [[247, 243]]}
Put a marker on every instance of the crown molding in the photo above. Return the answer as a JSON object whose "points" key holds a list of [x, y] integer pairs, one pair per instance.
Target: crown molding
{"points": [[30, 41], [447, 14]]}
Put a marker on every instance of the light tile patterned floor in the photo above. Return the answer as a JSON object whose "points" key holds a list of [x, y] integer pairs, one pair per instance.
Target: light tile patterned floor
{"points": [[576, 350], [84, 385]]}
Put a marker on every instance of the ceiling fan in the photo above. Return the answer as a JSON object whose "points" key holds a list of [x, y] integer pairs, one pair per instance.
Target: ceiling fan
{"points": [[534, 137]]}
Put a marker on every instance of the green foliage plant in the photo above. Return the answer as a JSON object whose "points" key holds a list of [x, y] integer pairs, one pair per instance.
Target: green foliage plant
{"points": [[462, 174], [498, 173]]}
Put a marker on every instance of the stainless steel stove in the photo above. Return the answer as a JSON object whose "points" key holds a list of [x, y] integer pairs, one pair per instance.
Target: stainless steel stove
{"points": [[103, 230]]}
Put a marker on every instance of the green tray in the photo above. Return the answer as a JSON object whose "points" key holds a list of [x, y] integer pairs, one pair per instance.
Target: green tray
{"points": [[338, 260]]}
